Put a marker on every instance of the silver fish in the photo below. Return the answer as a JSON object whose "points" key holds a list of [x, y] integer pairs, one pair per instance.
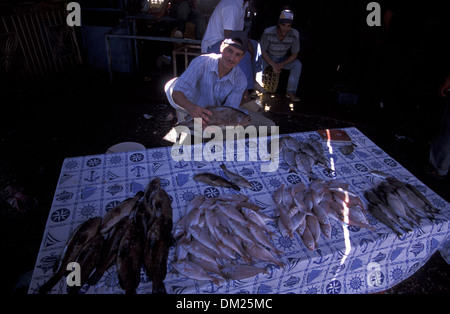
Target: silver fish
{"points": [[203, 237], [239, 198], [314, 226], [290, 143], [308, 239], [194, 271], [289, 157], [259, 235], [232, 212], [286, 220], [260, 253], [257, 218], [304, 164], [240, 272], [201, 251]]}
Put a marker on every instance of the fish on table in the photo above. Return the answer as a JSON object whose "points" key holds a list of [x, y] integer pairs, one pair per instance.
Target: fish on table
{"points": [[222, 116], [215, 180], [136, 233], [81, 235], [236, 178], [398, 205]]}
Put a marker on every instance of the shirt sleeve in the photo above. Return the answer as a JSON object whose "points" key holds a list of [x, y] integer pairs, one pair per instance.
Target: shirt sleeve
{"points": [[188, 81], [296, 44], [264, 41]]}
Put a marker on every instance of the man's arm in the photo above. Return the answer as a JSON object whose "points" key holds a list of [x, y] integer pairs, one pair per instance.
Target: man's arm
{"points": [[195, 111]]}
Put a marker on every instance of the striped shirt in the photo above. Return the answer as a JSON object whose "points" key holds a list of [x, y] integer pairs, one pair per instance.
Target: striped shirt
{"points": [[202, 85], [270, 42]]}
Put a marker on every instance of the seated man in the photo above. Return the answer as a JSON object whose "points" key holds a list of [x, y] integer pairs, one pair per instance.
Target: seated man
{"points": [[181, 11], [276, 44], [215, 80]]}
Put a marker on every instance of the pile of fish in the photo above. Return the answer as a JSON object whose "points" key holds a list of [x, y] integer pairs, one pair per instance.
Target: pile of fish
{"points": [[395, 203], [136, 232], [307, 209], [302, 156], [220, 238], [236, 181]]}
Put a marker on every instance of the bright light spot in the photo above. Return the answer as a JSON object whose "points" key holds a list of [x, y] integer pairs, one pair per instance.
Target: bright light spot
{"points": [[330, 149], [172, 136]]}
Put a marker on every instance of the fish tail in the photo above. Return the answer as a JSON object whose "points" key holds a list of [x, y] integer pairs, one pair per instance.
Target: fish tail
{"points": [[47, 286], [158, 287], [95, 277], [235, 186]]}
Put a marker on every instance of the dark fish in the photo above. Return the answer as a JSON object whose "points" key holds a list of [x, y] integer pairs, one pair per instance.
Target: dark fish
{"points": [[110, 249], [222, 116], [118, 212], [129, 259], [153, 186], [423, 198], [156, 252], [215, 180], [235, 178], [88, 258], [83, 234], [161, 204], [381, 216]]}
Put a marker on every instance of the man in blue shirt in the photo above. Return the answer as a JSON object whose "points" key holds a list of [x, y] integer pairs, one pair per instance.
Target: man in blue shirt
{"points": [[213, 80]]}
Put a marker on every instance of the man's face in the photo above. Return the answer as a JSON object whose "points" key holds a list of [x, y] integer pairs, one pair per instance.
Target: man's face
{"points": [[284, 28], [230, 56]]}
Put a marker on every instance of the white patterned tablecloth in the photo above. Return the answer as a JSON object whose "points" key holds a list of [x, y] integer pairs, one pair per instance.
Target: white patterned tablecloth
{"points": [[364, 262]]}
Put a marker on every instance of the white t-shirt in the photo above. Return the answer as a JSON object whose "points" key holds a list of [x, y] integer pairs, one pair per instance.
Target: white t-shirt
{"points": [[228, 14]]}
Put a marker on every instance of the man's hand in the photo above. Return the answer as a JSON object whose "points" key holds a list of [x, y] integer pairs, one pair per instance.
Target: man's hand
{"points": [[195, 111], [199, 112]]}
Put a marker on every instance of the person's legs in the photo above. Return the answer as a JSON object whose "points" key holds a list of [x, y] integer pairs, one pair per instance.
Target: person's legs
{"points": [[246, 66], [440, 149], [295, 68], [180, 11], [199, 21]]}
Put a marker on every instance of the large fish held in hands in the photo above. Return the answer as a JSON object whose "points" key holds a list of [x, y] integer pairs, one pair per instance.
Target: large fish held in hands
{"points": [[222, 116]]}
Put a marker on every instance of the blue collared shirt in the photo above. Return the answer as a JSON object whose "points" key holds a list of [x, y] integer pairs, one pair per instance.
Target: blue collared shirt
{"points": [[202, 85]]}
